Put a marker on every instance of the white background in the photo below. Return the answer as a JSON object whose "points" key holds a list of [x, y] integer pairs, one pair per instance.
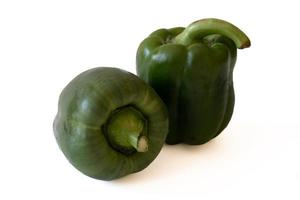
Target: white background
{"points": [[44, 44]]}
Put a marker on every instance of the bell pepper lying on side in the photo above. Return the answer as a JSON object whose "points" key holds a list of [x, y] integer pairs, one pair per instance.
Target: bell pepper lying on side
{"points": [[191, 70]]}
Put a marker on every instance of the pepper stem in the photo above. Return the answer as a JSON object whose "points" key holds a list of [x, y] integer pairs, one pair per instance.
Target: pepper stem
{"points": [[126, 130], [140, 143], [204, 27]]}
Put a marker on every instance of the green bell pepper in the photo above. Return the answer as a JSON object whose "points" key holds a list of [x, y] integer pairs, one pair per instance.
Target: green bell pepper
{"points": [[191, 69], [110, 123]]}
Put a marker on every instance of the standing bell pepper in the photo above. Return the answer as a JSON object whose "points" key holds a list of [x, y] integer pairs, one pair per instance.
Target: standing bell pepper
{"points": [[191, 70]]}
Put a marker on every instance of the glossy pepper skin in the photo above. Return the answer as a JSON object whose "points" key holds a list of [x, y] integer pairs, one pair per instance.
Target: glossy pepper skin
{"points": [[191, 70]]}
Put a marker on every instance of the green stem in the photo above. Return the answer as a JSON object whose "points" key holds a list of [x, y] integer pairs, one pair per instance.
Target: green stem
{"points": [[139, 143], [126, 130], [204, 27]]}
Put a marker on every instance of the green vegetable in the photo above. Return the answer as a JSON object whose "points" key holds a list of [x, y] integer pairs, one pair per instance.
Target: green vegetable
{"points": [[191, 69], [110, 123]]}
